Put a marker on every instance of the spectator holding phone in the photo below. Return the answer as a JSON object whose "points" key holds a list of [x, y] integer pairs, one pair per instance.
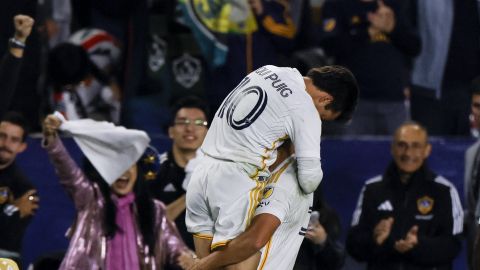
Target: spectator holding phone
{"points": [[322, 248]]}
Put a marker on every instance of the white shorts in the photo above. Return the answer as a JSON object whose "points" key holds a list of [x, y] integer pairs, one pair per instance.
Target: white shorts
{"points": [[221, 201]]}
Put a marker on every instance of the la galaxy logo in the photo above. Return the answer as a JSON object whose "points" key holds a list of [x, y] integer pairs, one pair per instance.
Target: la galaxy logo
{"points": [[187, 70], [267, 192], [425, 205]]}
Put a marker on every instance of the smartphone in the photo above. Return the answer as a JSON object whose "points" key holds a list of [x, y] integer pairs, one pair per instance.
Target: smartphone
{"points": [[314, 218]]}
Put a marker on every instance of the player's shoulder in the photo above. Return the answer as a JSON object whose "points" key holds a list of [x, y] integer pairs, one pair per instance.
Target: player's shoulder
{"points": [[281, 76]]}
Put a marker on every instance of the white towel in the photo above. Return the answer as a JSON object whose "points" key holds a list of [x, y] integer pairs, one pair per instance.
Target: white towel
{"points": [[111, 149]]}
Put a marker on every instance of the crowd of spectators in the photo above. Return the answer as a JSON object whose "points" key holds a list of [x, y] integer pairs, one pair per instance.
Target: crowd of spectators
{"points": [[130, 61], [145, 55]]}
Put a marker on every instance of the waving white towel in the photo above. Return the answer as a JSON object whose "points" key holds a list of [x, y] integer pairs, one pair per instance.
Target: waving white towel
{"points": [[111, 149]]}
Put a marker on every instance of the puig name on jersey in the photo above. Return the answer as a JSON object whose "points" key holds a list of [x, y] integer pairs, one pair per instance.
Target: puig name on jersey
{"points": [[280, 86]]}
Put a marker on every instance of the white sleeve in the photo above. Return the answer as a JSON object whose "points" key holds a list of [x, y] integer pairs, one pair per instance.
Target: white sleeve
{"points": [[305, 130], [309, 174], [275, 202]]}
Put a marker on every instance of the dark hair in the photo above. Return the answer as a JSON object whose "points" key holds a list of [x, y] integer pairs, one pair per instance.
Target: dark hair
{"points": [[475, 86], [339, 82], [143, 201], [68, 64], [189, 102], [17, 119]]}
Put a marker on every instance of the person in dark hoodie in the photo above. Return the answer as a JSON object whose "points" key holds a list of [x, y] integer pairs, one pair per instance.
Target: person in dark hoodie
{"points": [[409, 217], [377, 41]]}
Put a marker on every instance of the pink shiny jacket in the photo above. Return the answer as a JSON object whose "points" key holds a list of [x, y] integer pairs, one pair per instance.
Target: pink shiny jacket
{"points": [[87, 249]]}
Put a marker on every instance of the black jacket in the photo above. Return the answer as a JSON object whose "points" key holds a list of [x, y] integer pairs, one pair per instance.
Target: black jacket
{"points": [[9, 70], [12, 228], [167, 187], [428, 201]]}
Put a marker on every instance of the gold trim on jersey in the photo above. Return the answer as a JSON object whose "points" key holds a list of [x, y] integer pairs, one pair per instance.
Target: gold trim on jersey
{"points": [[255, 195], [273, 179], [203, 236], [267, 252], [276, 175], [219, 244], [266, 156]]}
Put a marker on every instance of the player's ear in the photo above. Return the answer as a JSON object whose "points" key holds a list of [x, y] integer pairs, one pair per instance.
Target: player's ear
{"points": [[324, 98]]}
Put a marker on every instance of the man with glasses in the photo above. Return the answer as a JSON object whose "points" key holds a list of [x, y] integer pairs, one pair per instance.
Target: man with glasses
{"points": [[187, 131], [409, 217]]}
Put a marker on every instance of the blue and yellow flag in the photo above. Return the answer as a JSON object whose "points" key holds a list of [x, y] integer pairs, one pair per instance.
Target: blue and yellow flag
{"points": [[212, 20]]}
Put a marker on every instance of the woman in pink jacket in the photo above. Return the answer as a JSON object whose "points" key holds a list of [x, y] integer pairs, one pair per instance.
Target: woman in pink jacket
{"points": [[117, 226]]}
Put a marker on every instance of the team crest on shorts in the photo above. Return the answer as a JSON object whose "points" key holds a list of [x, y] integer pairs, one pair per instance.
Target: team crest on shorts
{"points": [[267, 192], [425, 205], [4, 191]]}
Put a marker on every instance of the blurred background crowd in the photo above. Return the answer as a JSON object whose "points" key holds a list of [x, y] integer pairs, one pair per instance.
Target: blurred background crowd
{"points": [[128, 61]]}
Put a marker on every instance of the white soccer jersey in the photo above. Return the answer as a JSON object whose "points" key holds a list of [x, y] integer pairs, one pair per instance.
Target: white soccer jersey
{"points": [[269, 105], [284, 199]]}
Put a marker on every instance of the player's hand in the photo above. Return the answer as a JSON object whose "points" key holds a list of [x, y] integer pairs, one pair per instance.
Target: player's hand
{"points": [[23, 27], [186, 260], [50, 128], [317, 234], [27, 203], [410, 241], [382, 230]]}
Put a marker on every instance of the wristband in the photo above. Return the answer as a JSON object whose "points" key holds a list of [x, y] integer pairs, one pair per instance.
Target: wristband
{"points": [[16, 44], [10, 209]]}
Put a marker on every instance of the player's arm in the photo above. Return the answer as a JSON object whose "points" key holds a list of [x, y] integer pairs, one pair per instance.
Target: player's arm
{"points": [[244, 246], [175, 208], [305, 132], [309, 173]]}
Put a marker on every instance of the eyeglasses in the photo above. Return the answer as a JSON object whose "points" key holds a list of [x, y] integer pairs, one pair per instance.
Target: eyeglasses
{"points": [[414, 146], [186, 122]]}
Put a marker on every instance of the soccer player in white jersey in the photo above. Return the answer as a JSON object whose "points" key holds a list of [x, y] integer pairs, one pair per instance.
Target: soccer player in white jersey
{"points": [[280, 223], [269, 106]]}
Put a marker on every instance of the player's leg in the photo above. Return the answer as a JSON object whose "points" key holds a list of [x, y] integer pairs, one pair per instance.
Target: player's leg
{"points": [[233, 205]]}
